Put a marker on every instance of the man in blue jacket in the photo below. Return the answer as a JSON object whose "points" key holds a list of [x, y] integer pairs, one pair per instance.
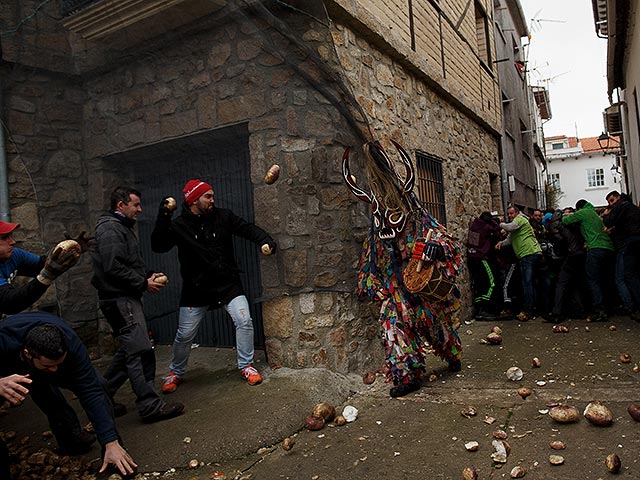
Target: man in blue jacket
{"points": [[39, 354]]}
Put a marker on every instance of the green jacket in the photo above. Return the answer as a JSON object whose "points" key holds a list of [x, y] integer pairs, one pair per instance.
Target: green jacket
{"points": [[591, 227], [521, 237]]}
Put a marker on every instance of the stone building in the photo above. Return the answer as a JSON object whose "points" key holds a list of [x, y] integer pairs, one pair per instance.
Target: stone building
{"points": [[522, 145], [96, 94]]}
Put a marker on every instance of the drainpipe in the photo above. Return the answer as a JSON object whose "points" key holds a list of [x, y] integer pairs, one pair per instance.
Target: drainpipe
{"points": [[5, 211], [504, 180]]}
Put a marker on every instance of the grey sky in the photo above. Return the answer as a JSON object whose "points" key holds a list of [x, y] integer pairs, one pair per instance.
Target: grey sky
{"points": [[567, 57]]}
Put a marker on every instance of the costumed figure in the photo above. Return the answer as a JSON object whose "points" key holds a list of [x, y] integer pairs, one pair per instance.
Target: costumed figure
{"points": [[408, 264]]}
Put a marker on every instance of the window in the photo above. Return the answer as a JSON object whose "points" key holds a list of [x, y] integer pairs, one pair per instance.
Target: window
{"points": [[482, 35], [431, 185], [557, 146], [554, 180], [595, 177]]}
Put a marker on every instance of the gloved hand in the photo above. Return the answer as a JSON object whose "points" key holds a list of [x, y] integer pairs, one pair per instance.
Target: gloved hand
{"points": [[86, 243], [269, 248], [168, 205], [63, 256]]}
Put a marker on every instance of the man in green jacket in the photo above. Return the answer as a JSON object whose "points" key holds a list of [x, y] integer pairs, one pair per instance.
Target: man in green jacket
{"points": [[600, 262], [528, 252]]}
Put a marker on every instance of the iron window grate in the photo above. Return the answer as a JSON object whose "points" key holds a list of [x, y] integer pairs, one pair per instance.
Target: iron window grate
{"points": [[431, 185]]}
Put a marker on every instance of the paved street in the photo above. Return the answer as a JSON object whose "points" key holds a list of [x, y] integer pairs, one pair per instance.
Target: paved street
{"points": [[237, 429]]}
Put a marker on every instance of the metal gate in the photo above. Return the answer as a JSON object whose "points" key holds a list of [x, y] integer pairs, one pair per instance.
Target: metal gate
{"points": [[221, 158]]}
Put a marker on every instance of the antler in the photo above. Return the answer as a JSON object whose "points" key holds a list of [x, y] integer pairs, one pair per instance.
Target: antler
{"points": [[346, 173]]}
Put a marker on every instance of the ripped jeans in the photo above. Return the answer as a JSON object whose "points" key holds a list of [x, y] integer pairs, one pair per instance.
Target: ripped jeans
{"points": [[188, 322]]}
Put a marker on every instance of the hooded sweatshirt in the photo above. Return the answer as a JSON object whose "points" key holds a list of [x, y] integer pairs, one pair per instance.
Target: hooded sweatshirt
{"points": [[591, 227]]}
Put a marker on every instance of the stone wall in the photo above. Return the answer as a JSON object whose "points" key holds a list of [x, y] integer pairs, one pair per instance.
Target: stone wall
{"points": [[48, 178], [226, 74]]}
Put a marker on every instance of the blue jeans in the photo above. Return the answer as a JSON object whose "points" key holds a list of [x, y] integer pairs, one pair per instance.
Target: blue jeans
{"points": [[597, 267], [627, 279], [528, 266], [188, 322]]}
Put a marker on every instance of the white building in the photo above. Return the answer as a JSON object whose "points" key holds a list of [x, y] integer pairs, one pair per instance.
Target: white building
{"points": [[581, 168]]}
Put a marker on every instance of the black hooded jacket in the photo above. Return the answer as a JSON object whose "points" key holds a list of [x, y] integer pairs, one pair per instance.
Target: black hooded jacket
{"points": [[210, 274]]}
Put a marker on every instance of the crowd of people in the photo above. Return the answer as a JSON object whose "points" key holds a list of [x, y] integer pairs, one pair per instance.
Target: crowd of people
{"points": [[40, 353], [571, 263]]}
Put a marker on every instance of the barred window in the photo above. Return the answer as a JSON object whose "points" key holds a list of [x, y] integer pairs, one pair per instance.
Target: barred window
{"points": [[595, 177], [431, 185]]}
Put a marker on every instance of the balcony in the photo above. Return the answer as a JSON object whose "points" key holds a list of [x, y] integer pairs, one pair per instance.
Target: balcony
{"points": [[137, 19]]}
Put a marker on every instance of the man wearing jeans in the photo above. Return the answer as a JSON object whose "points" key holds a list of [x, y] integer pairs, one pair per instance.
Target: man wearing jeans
{"points": [[622, 220], [528, 252], [203, 234], [600, 260], [121, 279]]}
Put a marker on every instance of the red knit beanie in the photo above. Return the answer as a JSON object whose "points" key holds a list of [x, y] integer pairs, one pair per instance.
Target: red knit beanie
{"points": [[194, 189]]}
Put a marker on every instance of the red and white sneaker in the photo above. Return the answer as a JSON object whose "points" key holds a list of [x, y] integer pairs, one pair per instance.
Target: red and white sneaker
{"points": [[251, 375], [171, 383]]}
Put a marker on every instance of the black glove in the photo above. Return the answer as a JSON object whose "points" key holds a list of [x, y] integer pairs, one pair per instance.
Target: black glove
{"points": [[86, 243], [63, 256], [167, 207]]}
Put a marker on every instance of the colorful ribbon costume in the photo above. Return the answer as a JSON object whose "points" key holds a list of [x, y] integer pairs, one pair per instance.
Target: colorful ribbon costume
{"points": [[413, 323]]}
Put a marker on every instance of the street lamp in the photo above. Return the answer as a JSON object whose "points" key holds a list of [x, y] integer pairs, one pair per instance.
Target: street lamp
{"points": [[605, 144]]}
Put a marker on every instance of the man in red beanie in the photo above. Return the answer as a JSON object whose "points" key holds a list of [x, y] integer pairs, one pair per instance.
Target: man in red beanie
{"points": [[43, 269], [203, 234]]}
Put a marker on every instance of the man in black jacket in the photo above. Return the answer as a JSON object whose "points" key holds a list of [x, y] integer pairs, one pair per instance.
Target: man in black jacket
{"points": [[121, 279], [39, 354], [622, 221], [203, 235]]}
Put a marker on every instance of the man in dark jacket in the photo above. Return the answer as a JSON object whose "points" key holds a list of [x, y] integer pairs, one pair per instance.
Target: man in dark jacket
{"points": [[569, 243], [203, 235], [120, 278], [622, 220], [39, 354], [17, 262], [483, 235]]}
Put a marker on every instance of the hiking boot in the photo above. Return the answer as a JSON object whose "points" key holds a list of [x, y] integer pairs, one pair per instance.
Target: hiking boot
{"points": [[78, 443], [405, 388], [171, 383], [168, 410], [251, 375], [455, 365]]}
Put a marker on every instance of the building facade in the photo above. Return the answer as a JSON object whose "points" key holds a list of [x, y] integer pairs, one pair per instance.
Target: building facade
{"points": [[222, 90], [580, 169], [522, 156], [618, 22]]}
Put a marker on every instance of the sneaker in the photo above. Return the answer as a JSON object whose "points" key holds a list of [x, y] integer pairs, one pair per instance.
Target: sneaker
{"points": [[171, 383], [251, 375], [168, 410], [484, 315]]}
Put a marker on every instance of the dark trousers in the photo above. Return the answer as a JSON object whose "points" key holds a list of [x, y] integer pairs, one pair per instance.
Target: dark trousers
{"points": [[599, 266], [483, 281], [135, 359], [627, 273], [570, 284]]}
